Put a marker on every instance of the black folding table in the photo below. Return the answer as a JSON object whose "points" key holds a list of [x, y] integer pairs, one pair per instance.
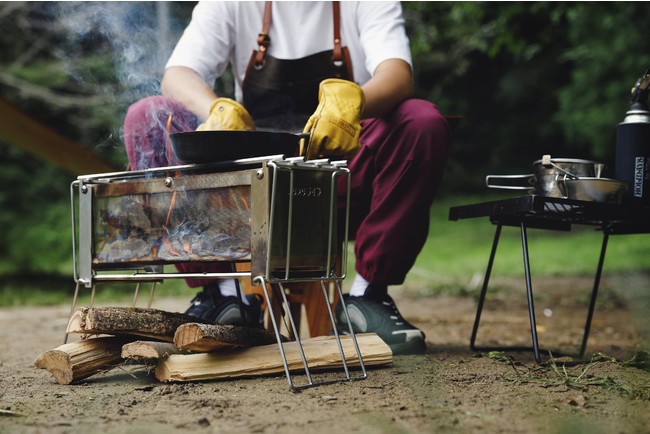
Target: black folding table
{"points": [[539, 212]]}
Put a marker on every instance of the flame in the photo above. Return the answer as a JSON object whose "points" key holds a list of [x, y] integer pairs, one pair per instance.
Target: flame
{"points": [[166, 241], [169, 142], [243, 199]]}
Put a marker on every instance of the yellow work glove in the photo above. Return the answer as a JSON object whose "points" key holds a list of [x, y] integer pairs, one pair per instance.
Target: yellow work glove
{"points": [[335, 126], [227, 114]]}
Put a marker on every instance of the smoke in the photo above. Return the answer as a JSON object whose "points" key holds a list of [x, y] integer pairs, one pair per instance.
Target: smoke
{"points": [[136, 38], [116, 51]]}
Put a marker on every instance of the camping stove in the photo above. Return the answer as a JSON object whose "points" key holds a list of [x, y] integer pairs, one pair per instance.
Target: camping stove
{"points": [[278, 214]]}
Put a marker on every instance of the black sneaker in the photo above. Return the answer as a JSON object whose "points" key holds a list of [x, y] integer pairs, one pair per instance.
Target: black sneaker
{"points": [[369, 315], [210, 305]]}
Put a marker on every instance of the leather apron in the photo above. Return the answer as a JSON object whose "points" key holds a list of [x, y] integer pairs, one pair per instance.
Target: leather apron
{"points": [[283, 94]]}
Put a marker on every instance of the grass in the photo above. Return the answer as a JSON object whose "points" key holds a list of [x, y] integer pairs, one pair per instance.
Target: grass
{"points": [[457, 252], [578, 377], [452, 261]]}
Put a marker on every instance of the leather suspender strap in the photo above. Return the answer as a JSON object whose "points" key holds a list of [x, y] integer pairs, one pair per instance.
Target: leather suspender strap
{"points": [[337, 56], [264, 40]]}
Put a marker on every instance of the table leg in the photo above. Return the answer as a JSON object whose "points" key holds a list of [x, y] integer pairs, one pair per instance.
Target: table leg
{"points": [[486, 280], [594, 293], [529, 292]]}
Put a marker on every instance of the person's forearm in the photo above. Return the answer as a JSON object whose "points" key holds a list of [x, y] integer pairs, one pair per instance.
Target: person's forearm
{"points": [[188, 88], [391, 84]]}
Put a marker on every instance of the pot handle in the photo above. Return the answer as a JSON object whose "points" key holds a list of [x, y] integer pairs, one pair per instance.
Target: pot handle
{"points": [[560, 181], [530, 179]]}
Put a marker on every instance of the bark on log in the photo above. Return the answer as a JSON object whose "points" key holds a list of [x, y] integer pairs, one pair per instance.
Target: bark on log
{"points": [[321, 353], [75, 361], [148, 350], [151, 323], [211, 337]]}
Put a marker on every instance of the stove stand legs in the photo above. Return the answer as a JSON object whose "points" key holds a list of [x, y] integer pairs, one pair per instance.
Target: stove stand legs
{"points": [[529, 293], [72, 308], [288, 366]]}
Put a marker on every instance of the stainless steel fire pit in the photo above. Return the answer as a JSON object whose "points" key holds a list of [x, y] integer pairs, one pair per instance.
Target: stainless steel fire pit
{"points": [[280, 214]]}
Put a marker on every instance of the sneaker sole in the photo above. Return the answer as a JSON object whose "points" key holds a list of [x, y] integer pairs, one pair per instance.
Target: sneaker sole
{"points": [[412, 347], [415, 346]]}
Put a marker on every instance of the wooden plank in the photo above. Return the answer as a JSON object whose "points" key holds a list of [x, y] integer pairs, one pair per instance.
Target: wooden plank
{"points": [[148, 350], [212, 337], [19, 129], [151, 323], [75, 361], [321, 352]]}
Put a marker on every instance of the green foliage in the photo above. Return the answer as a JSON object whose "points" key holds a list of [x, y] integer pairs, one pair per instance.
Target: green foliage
{"points": [[530, 78], [607, 52], [34, 213]]}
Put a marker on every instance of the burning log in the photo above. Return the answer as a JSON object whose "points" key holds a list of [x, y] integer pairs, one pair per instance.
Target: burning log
{"points": [[75, 361], [321, 352], [211, 337]]}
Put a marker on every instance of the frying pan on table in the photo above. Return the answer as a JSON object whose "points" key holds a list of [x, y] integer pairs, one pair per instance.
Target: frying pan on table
{"points": [[227, 145]]}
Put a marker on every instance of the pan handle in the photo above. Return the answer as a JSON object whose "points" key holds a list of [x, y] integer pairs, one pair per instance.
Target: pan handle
{"points": [[529, 178], [303, 138]]}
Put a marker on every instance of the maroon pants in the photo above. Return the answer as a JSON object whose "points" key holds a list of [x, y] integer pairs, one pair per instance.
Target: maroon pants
{"points": [[394, 178]]}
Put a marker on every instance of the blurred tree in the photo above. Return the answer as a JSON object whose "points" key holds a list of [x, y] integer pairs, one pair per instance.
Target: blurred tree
{"points": [[607, 51], [531, 78], [76, 67]]}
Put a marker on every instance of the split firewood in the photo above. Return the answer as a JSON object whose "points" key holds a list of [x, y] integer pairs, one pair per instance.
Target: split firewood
{"points": [[150, 323], [75, 361], [148, 350], [211, 337], [321, 353]]}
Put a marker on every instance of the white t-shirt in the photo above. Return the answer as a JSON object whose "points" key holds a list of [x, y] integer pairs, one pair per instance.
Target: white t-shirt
{"points": [[226, 32]]}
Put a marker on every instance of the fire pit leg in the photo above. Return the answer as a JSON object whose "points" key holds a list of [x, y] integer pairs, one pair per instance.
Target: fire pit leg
{"points": [[303, 358], [364, 374], [136, 293], [72, 308], [151, 294]]}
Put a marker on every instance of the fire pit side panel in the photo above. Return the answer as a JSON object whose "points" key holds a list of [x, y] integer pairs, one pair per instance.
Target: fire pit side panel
{"points": [[187, 218], [294, 225]]}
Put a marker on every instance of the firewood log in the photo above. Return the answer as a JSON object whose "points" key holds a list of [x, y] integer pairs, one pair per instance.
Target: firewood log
{"points": [[321, 353], [75, 361], [211, 337], [151, 323], [148, 350]]}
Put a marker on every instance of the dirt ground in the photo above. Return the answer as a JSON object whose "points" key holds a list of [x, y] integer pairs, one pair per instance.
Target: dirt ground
{"points": [[448, 389]]}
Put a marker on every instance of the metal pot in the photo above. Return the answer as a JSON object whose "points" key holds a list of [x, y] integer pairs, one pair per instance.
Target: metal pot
{"points": [[543, 181], [593, 189]]}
